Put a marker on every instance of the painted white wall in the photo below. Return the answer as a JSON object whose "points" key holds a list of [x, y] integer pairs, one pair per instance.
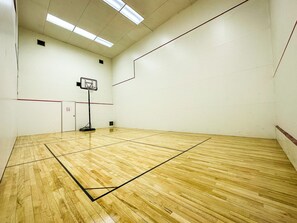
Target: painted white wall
{"points": [[216, 79], [38, 117], [283, 18], [101, 115], [8, 76], [51, 73]]}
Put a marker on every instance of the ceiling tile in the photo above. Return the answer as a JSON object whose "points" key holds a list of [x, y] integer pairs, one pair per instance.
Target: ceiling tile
{"points": [[97, 48], [167, 10], [56, 32], [192, 1], [126, 41], [117, 28], [68, 10], [145, 8], [79, 41], [139, 32], [42, 3], [32, 14], [115, 50], [96, 16]]}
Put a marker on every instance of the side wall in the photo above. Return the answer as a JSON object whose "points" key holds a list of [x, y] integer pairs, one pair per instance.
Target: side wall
{"points": [[284, 41], [48, 76], [8, 76], [215, 79]]}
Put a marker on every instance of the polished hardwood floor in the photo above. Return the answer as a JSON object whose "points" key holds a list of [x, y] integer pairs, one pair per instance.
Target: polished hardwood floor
{"points": [[130, 175]]}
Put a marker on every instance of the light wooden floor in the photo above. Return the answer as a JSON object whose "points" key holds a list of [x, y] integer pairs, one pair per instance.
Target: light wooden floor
{"points": [[129, 175]]}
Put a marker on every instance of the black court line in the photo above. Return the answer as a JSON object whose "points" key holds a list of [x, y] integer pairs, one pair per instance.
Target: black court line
{"points": [[147, 171], [163, 147], [136, 138], [86, 136], [97, 147], [75, 180], [8, 161], [98, 188], [33, 161], [65, 140], [115, 188]]}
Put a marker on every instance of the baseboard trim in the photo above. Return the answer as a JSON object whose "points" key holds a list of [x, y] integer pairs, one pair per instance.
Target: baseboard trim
{"points": [[288, 144]]}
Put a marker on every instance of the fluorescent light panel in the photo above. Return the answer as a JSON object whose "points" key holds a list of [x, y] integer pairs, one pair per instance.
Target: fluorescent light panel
{"points": [[131, 14], [103, 42], [116, 4], [84, 33], [59, 22], [55, 20]]}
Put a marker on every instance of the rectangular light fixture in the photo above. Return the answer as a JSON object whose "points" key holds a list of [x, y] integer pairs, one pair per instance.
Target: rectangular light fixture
{"points": [[131, 14], [55, 20], [59, 22], [103, 42], [84, 33], [116, 4]]}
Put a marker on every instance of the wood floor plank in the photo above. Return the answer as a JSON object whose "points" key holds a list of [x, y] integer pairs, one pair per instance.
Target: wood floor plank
{"points": [[225, 179], [28, 154], [113, 165], [174, 141], [81, 144]]}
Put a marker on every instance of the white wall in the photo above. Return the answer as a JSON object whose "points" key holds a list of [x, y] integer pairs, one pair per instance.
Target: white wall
{"points": [[38, 117], [8, 76], [216, 79], [51, 73], [283, 18], [101, 115]]}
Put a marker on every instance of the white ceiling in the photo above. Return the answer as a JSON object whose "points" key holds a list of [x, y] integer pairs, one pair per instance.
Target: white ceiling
{"points": [[99, 18]]}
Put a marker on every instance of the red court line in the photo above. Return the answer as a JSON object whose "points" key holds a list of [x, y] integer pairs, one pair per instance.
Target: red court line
{"points": [[38, 100], [78, 102], [289, 40], [93, 103], [181, 35], [290, 137]]}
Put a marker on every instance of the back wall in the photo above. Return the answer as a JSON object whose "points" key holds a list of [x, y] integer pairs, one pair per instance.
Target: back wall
{"points": [[48, 76]]}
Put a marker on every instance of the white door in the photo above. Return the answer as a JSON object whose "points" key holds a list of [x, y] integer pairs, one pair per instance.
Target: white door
{"points": [[68, 116]]}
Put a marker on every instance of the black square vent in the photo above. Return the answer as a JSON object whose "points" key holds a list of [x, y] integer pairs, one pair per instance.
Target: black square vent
{"points": [[40, 42]]}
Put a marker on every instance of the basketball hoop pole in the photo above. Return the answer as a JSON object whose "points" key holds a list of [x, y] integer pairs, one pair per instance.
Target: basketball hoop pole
{"points": [[89, 105]]}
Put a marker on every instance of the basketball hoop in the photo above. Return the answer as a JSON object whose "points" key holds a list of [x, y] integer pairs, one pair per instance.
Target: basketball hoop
{"points": [[90, 85]]}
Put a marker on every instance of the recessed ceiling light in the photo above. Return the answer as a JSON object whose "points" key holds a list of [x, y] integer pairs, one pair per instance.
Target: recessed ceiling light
{"points": [[103, 42], [116, 4], [131, 14], [84, 33], [55, 20]]}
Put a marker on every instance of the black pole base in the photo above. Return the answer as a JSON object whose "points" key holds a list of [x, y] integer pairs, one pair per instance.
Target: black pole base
{"points": [[85, 129]]}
